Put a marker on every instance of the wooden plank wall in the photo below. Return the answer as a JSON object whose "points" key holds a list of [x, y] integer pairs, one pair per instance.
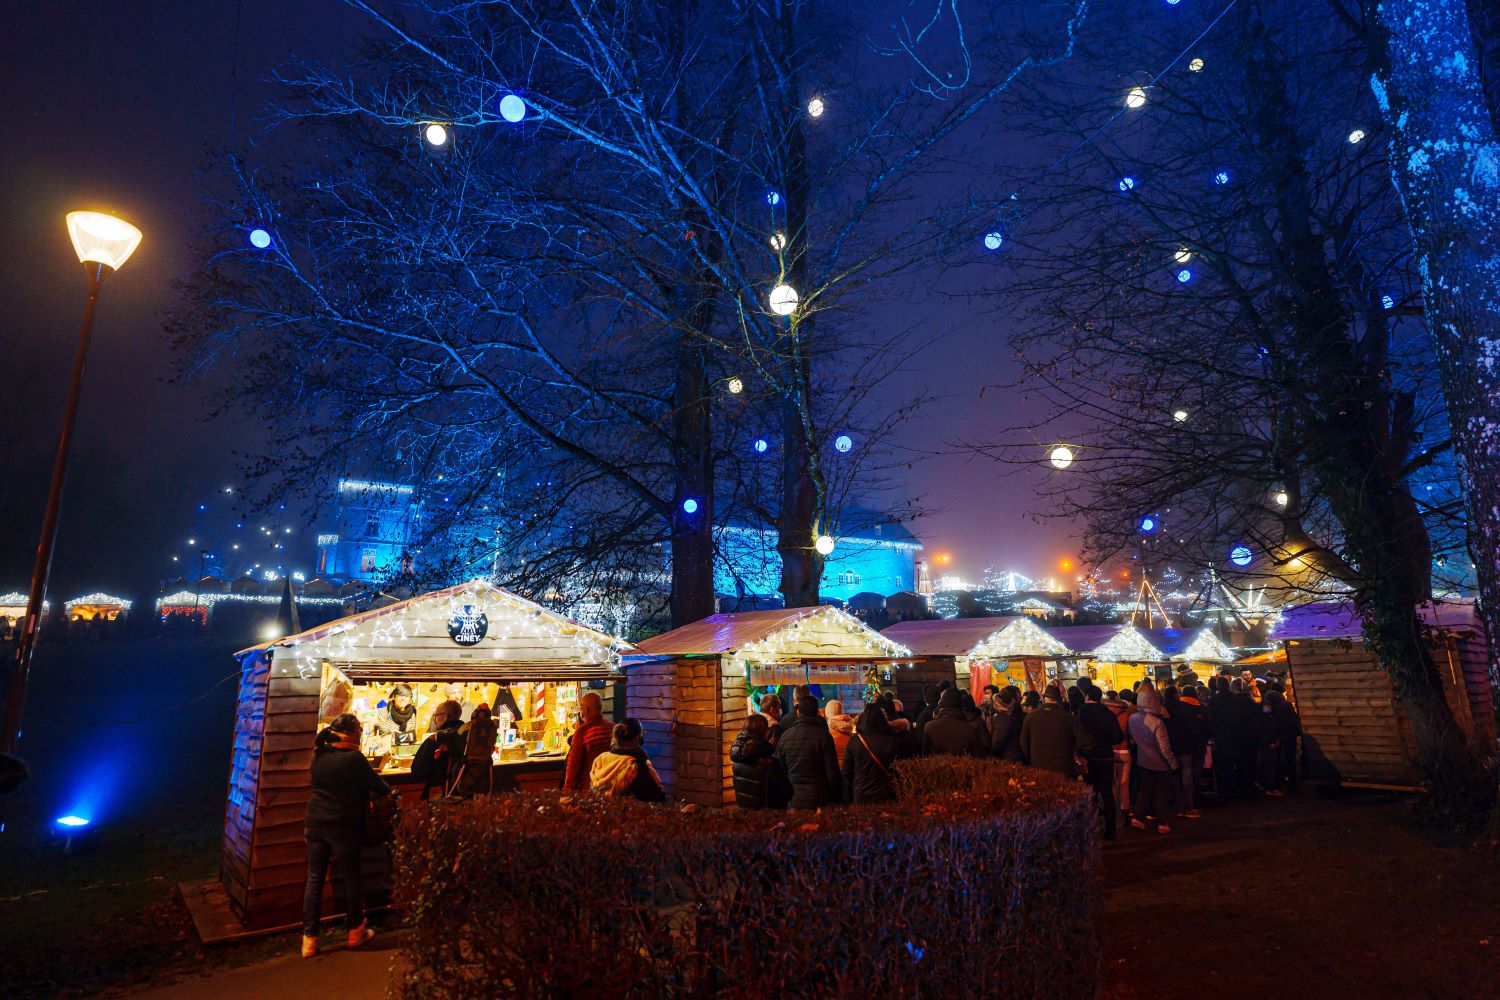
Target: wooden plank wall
{"points": [[1354, 728], [910, 680], [244, 778], [680, 705], [651, 700], [733, 712]]}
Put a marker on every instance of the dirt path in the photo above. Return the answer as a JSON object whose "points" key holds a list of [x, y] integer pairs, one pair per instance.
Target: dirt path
{"points": [[1301, 897]]}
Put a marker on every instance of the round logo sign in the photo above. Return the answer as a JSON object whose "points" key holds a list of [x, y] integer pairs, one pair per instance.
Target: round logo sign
{"points": [[468, 625]]}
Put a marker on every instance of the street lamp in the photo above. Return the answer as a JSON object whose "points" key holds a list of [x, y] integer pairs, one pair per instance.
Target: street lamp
{"points": [[103, 243]]}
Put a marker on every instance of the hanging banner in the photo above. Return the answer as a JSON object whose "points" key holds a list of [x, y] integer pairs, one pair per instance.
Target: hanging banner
{"points": [[1036, 674]]}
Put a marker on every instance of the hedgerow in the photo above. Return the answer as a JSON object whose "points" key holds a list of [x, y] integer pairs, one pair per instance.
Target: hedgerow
{"points": [[979, 881]]}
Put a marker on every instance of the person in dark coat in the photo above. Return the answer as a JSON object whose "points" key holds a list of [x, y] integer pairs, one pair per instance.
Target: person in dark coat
{"points": [[1030, 702], [811, 762], [868, 759], [1005, 726], [1227, 722], [1076, 697], [343, 784], [971, 711], [770, 707], [1051, 735], [1180, 736], [752, 760], [930, 696], [950, 731], [441, 755], [1104, 735], [1288, 729], [1254, 728]]}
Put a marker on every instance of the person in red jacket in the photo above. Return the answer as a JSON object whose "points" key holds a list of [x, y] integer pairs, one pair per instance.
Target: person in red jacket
{"points": [[590, 740]]}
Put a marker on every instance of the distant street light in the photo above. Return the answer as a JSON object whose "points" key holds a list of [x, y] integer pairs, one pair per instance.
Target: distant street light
{"points": [[1061, 457], [102, 243]]}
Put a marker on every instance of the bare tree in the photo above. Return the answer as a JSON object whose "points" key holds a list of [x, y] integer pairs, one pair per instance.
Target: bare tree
{"points": [[1216, 288]]}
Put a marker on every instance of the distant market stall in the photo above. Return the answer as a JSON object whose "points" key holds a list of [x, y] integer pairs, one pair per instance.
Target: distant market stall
{"points": [[472, 644], [1354, 729], [96, 607], [973, 652], [689, 687], [1117, 656]]}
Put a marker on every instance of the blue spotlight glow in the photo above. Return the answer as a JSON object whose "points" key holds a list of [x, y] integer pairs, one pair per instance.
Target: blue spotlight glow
{"points": [[72, 821]]}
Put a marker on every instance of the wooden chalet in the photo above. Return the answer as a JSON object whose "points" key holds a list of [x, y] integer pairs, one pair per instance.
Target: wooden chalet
{"points": [[690, 688], [1117, 656], [472, 643], [1354, 729], [973, 652]]}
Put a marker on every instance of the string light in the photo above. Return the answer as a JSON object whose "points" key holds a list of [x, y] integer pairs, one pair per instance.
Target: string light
{"points": [[783, 300], [1184, 276], [1386, 302], [1222, 177], [1061, 457], [773, 198], [435, 134], [512, 108], [1180, 415]]}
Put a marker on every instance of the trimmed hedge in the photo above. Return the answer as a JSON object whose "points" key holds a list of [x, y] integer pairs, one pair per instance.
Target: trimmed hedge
{"points": [[980, 881]]}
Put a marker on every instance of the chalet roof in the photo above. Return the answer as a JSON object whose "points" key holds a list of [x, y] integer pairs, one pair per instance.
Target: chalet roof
{"points": [[1340, 620], [946, 636], [727, 633], [515, 601], [1083, 639]]}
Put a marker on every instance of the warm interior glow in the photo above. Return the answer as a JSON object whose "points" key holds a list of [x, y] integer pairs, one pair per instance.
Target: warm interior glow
{"points": [[102, 239]]}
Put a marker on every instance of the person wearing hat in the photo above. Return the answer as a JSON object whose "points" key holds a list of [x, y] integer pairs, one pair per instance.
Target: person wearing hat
{"points": [[950, 730], [441, 754], [1051, 737], [1005, 726], [1154, 760]]}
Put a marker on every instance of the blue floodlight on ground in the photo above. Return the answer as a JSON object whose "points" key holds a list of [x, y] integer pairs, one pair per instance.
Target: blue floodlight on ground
{"points": [[993, 240], [1240, 555], [1184, 276], [260, 239], [761, 444], [72, 821], [512, 108], [1127, 183], [773, 198], [690, 506], [1222, 177], [843, 443]]}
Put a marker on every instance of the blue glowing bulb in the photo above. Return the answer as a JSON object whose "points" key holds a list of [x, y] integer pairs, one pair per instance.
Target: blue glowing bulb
{"points": [[690, 506], [1222, 177], [260, 239], [843, 443], [993, 240], [761, 444], [512, 108], [1184, 276], [773, 198], [1386, 302], [1240, 555], [71, 820], [1127, 183], [1148, 525]]}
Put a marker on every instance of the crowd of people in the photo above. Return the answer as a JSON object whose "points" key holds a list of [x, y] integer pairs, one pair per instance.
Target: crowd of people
{"points": [[1147, 752]]}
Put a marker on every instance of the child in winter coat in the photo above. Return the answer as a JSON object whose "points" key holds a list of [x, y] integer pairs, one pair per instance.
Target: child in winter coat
{"points": [[624, 769]]}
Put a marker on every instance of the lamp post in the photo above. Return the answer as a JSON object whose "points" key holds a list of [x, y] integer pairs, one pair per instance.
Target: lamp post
{"points": [[103, 244]]}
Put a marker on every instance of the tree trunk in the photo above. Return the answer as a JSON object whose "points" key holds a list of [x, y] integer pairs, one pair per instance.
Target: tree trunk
{"points": [[1446, 163], [693, 472], [803, 487]]}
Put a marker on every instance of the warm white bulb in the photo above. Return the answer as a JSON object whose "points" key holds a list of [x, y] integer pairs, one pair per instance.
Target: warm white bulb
{"points": [[815, 107], [1357, 136], [1061, 457], [736, 386], [1180, 415], [436, 134], [102, 239], [1136, 98], [824, 545], [778, 241], [1183, 255], [1281, 498], [783, 300], [1196, 66]]}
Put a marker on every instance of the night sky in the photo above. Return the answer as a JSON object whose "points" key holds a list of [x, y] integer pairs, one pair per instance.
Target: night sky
{"points": [[117, 107]]}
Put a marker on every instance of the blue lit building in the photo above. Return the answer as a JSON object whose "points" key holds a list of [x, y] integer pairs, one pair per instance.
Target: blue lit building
{"points": [[374, 527], [871, 554]]}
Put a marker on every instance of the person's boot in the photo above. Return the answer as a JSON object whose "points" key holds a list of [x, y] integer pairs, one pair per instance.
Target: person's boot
{"points": [[309, 945], [361, 934]]}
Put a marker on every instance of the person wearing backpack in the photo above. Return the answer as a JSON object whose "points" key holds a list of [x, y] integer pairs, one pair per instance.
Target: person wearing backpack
{"points": [[624, 769], [868, 759], [441, 754]]}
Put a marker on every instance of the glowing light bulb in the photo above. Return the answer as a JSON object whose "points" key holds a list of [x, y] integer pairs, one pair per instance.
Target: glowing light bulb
{"points": [[1127, 183], [994, 240], [260, 239], [1184, 276], [1222, 177], [435, 134], [843, 443], [1386, 302], [1196, 66], [1241, 555], [824, 545], [1281, 498], [1147, 525], [1183, 255], [735, 386], [773, 198], [512, 108], [778, 241], [1136, 98], [783, 300], [1356, 137], [760, 446], [690, 506], [1061, 457], [815, 107], [1180, 415]]}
